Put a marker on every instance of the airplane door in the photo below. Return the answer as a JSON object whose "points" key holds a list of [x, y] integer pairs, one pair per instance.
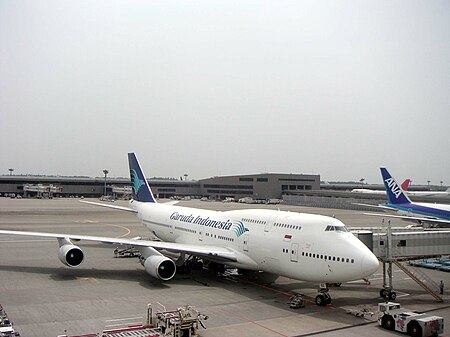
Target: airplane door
{"points": [[245, 244], [200, 233], [294, 252]]}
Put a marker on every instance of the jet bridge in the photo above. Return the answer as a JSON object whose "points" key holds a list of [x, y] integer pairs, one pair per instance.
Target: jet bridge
{"points": [[394, 245], [406, 243]]}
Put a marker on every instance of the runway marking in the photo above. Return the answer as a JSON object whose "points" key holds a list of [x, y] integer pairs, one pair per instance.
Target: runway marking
{"points": [[122, 324], [123, 227], [122, 319], [404, 294], [90, 279], [128, 231]]}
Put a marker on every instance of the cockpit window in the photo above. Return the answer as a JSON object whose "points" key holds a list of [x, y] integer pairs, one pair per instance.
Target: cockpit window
{"points": [[330, 228]]}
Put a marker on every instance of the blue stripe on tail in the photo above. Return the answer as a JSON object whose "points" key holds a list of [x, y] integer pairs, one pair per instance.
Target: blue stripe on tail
{"points": [[395, 194], [139, 185]]}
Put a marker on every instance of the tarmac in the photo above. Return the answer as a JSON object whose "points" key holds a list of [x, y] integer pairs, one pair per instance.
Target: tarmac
{"points": [[42, 297]]}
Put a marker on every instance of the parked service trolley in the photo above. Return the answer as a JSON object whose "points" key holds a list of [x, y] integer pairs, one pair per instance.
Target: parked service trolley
{"points": [[184, 321], [392, 317]]}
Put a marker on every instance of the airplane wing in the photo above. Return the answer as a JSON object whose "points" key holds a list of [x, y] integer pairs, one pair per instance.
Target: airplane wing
{"points": [[412, 218], [120, 208], [376, 206], [213, 252]]}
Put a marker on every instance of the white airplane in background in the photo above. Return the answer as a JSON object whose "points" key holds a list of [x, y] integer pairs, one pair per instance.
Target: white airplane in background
{"points": [[428, 193], [305, 247], [404, 186]]}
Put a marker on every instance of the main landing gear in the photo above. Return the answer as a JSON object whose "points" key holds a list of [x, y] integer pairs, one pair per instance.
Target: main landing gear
{"points": [[323, 298], [388, 293], [185, 266]]}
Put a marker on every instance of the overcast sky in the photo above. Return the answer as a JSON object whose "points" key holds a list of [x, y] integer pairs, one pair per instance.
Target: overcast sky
{"points": [[336, 88]]}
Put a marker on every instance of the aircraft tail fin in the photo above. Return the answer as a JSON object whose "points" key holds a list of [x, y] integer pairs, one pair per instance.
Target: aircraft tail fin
{"points": [[140, 189], [405, 184], [394, 192]]}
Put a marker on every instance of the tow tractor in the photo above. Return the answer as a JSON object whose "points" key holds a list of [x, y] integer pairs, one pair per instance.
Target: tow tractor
{"points": [[392, 317]]}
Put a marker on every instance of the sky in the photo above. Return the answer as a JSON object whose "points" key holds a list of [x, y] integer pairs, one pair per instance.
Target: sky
{"points": [[207, 88]]}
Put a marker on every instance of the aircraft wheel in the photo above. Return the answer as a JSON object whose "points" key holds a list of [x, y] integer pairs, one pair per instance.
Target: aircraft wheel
{"points": [[197, 265], [392, 295], [321, 300], [383, 293]]}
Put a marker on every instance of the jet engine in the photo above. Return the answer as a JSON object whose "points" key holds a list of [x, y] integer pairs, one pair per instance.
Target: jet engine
{"points": [[156, 264], [160, 267], [69, 254]]}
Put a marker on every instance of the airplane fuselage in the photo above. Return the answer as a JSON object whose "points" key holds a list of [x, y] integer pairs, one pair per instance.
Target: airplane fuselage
{"points": [[301, 246]]}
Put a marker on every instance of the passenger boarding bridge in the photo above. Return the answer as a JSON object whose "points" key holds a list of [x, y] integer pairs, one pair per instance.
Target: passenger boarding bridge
{"points": [[396, 245]]}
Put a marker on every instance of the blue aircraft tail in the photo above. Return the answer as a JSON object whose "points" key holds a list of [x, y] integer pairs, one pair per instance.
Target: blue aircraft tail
{"points": [[139, 185], [394, 192]]}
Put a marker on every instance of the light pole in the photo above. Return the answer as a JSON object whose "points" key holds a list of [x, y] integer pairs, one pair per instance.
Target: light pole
{"points": [[11, 170], [105, 171], [442, 188]]}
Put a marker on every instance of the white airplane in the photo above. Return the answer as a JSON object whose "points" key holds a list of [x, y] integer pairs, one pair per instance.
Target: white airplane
{"points": [[429, 193], [404, 186], [305, 247]]}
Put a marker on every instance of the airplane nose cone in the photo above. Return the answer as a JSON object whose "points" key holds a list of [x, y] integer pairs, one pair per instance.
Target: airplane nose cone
{"points": [[369, 264]]}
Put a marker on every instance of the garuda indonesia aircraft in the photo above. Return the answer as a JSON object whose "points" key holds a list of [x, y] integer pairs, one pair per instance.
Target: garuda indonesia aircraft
{"points": [[300, 246], [437, 214]]}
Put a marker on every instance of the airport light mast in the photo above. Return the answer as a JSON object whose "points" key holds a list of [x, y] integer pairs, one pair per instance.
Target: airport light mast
{"points": [[105, 171]]}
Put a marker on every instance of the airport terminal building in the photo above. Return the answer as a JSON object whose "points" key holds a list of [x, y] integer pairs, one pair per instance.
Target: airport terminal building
{"points": [[257, 186]]}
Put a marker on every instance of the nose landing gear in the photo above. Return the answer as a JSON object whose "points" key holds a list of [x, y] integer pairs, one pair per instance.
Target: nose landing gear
{"points": [[323, 298]]}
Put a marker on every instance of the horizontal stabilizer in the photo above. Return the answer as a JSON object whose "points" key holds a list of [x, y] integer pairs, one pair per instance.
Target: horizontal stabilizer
{"points": [[120, 208]]}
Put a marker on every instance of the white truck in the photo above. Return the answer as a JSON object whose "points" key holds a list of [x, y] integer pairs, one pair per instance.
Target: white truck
{"points": [[392, 317]]}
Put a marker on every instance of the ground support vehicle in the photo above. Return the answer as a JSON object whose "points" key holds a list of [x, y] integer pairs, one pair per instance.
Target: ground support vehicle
{"points": [[392, 317]]}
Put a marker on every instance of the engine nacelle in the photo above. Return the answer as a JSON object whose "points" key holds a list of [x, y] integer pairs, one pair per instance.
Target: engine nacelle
{"points": [[71, 255], [160, 267]]}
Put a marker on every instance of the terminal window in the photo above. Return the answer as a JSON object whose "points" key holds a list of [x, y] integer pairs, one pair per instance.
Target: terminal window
{"points": [[401, 243]]}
